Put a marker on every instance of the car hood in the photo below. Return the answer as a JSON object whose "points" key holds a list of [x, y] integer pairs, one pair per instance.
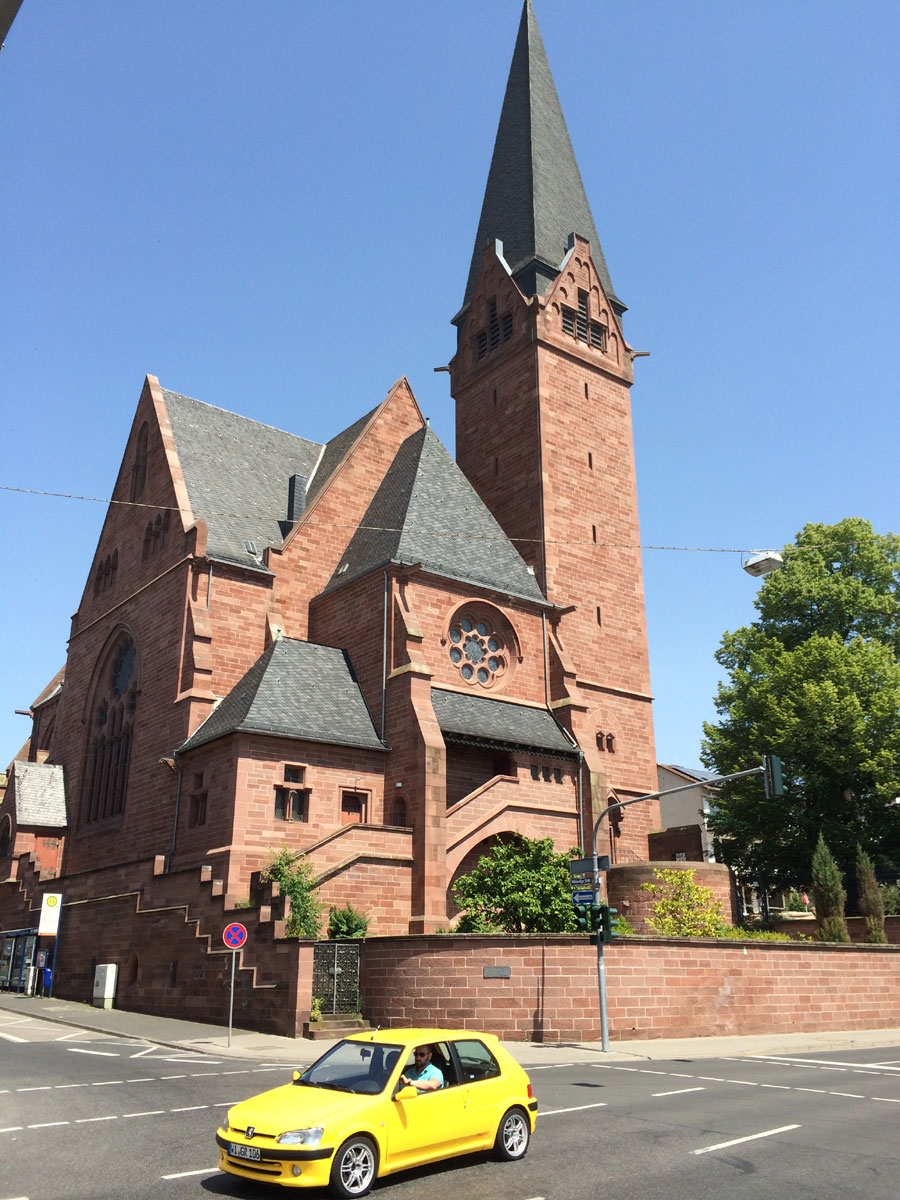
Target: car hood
{"points": [[294, 1106]]}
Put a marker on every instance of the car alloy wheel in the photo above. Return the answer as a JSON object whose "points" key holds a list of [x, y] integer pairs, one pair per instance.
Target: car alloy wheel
{"points": [[354, 1167], [513, 1135]]}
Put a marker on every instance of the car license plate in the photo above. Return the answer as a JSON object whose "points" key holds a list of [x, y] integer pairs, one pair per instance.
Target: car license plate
{"points": [[253, 1153]]}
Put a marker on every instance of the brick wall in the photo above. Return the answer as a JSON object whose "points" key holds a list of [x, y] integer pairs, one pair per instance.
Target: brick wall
{"points": [[656, 988]]}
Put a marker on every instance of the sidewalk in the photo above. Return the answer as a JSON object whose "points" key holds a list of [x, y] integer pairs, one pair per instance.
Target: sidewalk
{"points": [[191, 1036]]}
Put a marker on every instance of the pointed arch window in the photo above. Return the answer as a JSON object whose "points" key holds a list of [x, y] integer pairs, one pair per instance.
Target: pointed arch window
{"points": [[112, 720], [577, 323], [139, 466]]}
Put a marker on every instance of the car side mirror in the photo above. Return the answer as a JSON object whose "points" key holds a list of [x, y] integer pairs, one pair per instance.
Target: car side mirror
{"points": [[296, 1076], [406, 1093]]}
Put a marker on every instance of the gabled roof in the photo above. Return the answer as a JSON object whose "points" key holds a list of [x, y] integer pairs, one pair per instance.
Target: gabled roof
{"points": [[426, 511], [478, 719], [40, 794], [534, 196], [236, 472], [295, 690], [334, 453]]}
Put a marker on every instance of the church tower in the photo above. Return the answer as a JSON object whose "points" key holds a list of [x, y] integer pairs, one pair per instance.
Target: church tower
{"points": [[541, 379]]}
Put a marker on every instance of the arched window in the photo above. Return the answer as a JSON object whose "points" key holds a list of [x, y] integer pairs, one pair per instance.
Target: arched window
{"points": [[139, 466], [112, 718], [5, 836]]}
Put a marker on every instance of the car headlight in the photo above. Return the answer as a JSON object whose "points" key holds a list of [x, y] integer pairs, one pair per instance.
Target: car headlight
{"points": [[302, 1137]]}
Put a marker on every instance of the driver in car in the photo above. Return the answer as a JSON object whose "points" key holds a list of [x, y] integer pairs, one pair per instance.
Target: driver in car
{"points": [[424, 1075]]}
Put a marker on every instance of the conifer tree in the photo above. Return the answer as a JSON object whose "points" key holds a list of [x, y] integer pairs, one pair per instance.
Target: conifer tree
{"points": [[829, 895], [871, 900]]}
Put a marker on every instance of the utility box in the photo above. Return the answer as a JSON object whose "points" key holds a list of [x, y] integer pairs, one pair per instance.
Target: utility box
{"points": [[105, 985]]}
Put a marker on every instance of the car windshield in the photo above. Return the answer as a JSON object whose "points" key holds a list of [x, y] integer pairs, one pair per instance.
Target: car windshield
{"points": [[353, 1067]]}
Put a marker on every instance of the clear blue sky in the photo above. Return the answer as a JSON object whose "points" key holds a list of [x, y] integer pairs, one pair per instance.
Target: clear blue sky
{"points": [[272, 206]]}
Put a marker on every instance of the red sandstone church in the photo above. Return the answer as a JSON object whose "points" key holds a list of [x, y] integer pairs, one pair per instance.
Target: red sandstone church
{"points": [[380, 656]]}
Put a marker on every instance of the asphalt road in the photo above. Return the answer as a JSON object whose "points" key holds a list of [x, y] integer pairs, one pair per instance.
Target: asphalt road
{"points": [[85, 1116]]}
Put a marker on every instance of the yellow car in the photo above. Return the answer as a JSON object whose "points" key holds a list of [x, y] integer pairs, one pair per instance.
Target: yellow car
{"points": [[380, 1102]]}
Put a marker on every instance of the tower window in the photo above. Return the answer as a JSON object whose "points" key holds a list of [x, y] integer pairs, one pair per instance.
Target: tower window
{"points": [[590, 461], [499, 329], [594, 533], [577, 323]]}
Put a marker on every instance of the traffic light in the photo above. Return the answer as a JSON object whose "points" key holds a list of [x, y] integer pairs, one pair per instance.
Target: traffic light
{"points": [[772, 767], [597, 919], [583, 917], [610, 924]]}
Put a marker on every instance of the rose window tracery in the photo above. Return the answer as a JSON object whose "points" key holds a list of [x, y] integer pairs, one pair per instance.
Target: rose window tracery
{"points": [[478, 649]]}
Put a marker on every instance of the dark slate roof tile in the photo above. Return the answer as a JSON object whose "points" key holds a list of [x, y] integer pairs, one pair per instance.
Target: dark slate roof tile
{"points": [[481, 719], [534, 196], [236, 472], [426, 511], [40, 793], [297, 690]]}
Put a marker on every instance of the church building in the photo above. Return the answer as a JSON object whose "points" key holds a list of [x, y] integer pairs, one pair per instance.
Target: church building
{"points": [[382, 657]]}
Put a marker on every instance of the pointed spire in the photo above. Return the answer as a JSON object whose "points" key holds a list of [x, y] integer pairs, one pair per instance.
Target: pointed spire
{"points": [[534, 196]]}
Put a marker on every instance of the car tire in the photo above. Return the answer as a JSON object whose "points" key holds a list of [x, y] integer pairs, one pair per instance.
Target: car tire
{"points": [[513, 1136], [354, 1168]]}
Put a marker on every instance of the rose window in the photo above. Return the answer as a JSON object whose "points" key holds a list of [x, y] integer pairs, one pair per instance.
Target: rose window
{"points": [[477, 650]]}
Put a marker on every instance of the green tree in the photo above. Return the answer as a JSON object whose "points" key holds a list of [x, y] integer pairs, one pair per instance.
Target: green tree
{"points": [[296, 880], [520, 886], [871, 899], [816, 680], [829, 895], [682, 907]]}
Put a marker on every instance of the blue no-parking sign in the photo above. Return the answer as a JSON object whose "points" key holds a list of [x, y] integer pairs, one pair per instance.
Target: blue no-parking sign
{"points": [[234, 936]]}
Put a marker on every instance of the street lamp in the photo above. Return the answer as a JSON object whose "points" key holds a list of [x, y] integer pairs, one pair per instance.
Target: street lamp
{"points": [[763, 562]]}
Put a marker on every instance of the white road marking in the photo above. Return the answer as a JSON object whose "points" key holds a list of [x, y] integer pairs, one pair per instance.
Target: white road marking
{"points": [[105, 1082], [154, 1112], [553, 1112], [59, 1087], [849, 1095], [751, 1137], [818, 1091], [745, 1082], [89, 1120], [781, 1087], [141, 1053], [47, 1124], [141, 1079], [818, 1062], [104, 1053], [12, 1129], [885, 1099], [185, 1174], [44, 1087], [189, 1108], [711, 1078], [679, 1092], [11, 1037], [173, 1076]]}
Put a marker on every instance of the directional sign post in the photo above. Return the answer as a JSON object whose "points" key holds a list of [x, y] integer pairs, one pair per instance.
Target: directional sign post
{"points": [[234, 937]]}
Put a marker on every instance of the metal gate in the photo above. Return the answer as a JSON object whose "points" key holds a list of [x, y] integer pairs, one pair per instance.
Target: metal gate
{"points": [[336, 976]]}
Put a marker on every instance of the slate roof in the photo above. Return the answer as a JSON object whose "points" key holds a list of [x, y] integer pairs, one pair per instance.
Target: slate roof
{"points": [[477, 718], [426, 511], [690, 772], [236, 472], [40, 794], [534, 196], [295, 690]]}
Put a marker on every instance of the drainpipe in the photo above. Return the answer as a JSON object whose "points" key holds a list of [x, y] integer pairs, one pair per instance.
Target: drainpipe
{"points": [[209, 587], [568, 736], [384, 641], [179, 769]]}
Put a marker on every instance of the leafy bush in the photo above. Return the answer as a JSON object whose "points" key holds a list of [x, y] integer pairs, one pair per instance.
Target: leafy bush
{"points": [[890, 895], [346, 923], [752, 935], [520, 886], [296, 880], [682, 907]]}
